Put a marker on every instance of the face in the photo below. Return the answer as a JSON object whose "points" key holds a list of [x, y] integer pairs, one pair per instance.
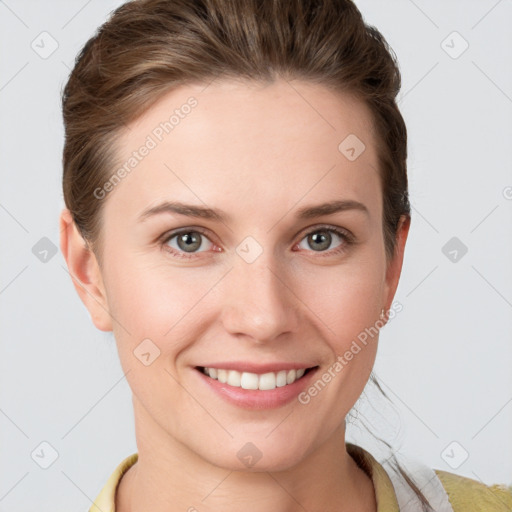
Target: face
{"points": [[276, 265]]}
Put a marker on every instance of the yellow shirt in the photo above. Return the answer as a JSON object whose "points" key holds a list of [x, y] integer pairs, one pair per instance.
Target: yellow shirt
{"points": [[465, 494]]}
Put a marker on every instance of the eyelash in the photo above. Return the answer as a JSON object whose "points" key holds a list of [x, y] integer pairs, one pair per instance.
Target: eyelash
{"points": [[346, 236]]}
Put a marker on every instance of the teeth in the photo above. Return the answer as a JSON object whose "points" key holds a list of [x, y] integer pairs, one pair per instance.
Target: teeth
{"points": [[291, 376], [234, 378], [281, 379], [267, 381], [246, 380]]}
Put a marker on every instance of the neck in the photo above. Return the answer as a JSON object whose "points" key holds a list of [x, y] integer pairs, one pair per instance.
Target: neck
{"points": [[169, 477]]}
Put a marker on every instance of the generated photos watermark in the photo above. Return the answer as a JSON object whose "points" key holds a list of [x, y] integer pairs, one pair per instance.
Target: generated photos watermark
{"points": [[356, 346], [156, 136]]}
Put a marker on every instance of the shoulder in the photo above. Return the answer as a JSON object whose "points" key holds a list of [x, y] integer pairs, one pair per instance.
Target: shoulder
{"points": [[468, 495]]}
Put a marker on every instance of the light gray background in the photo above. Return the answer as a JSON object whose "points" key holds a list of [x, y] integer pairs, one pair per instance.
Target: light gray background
{"points": [[445, 360]]}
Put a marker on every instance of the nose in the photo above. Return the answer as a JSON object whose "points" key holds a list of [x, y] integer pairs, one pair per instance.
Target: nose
{"points": [[258, 301]]}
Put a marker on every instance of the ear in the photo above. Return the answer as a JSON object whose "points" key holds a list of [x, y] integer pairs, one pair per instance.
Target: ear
{"points": [[394, 267], [85, 272]]}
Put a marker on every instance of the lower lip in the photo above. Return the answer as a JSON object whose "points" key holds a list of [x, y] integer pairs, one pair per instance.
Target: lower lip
{"points": [[258, 399]]}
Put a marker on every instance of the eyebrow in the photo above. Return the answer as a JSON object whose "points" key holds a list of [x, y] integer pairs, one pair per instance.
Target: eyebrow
{"points": [[203, 212]]}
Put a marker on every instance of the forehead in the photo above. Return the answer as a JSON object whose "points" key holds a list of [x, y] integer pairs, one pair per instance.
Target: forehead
{"points": [[235, 142]]}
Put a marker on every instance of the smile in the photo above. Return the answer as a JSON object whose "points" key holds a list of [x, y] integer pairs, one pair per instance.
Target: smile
{"points": [[254, 381]]}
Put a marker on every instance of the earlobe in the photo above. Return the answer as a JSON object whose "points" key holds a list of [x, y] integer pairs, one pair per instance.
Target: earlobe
{"points": [[84, 271]]}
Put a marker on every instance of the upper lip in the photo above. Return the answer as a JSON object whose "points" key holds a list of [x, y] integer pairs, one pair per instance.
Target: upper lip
{"points": [[251, 367]]}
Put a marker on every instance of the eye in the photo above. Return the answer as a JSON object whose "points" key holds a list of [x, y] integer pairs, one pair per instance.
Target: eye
{"points": [[321, 239], [185, 243], [188, 242]]}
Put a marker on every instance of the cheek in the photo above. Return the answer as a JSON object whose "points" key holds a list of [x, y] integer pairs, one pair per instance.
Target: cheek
{"points": [[152, 310], [151, 298], [346, 298], [157, 302]]}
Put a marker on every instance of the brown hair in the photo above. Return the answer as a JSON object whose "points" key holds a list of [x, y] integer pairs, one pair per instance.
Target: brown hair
{"points": [[148, 47]]}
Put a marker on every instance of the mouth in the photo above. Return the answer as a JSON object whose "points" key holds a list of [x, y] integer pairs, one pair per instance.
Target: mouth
{"points": [[256, 381]]}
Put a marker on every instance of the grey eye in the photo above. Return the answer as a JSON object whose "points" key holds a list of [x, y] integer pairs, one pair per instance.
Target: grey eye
{"points": [[321, 239], [187, 241]]}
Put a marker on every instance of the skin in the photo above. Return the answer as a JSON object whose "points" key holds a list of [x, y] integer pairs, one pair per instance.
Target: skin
{"points": [[259, 153]]}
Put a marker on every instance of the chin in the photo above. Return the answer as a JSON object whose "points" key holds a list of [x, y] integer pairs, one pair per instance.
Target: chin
{"points": [[259, 455]]}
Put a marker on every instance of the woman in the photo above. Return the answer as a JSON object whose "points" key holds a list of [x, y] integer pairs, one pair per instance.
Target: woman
{"points": [[210, 146]]}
